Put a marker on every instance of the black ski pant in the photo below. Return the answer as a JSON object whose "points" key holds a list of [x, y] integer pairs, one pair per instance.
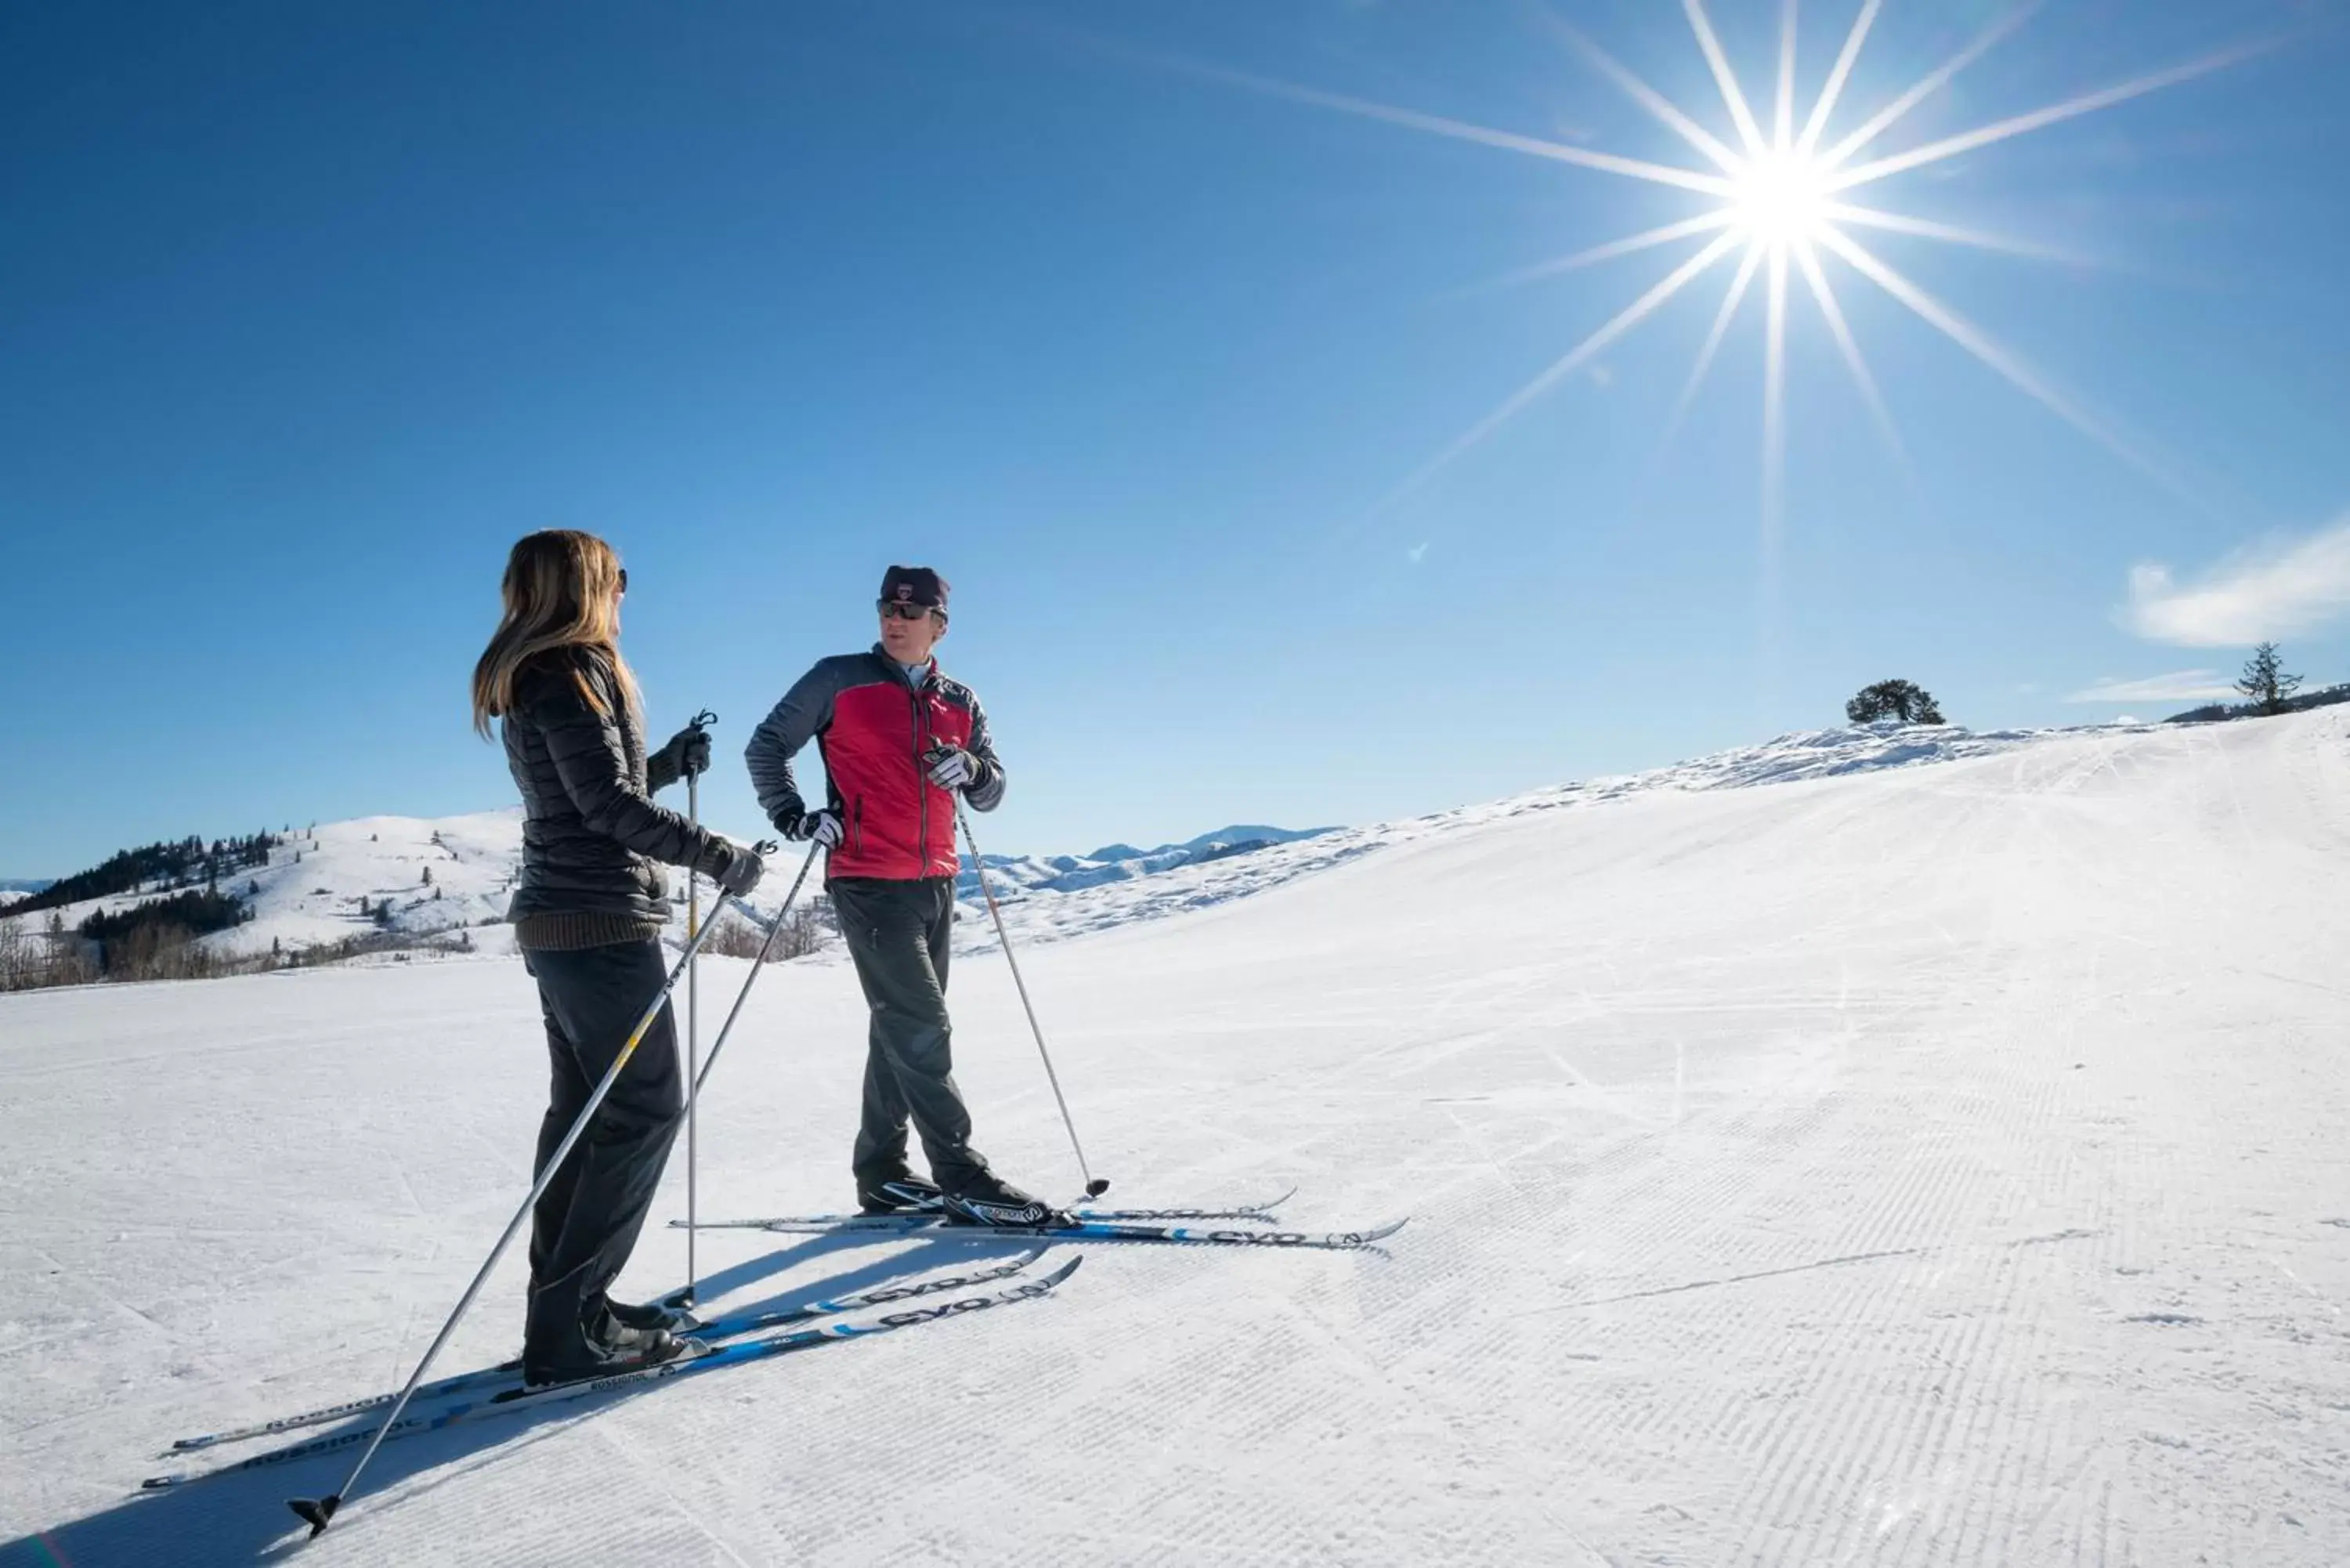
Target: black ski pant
{"points": [[585, 1222], [897, 934]]}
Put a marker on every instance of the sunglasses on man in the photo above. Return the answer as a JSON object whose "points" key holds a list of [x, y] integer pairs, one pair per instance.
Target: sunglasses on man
{"points": [[905, 609]]}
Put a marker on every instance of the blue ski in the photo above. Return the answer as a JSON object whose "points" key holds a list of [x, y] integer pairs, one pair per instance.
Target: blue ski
{"points": [[724, 1327], [514, 1395], [927, 1218]]}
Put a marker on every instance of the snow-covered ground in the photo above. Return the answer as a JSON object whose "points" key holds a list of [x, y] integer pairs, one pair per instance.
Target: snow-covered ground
{"points": [[1926, 1165]]}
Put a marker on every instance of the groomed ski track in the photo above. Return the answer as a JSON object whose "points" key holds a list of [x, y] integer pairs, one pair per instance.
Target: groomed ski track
{"points": [[1941, 1165]]}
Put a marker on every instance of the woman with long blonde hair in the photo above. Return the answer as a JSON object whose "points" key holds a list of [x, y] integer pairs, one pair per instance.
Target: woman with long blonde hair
{"points": [[588, 914]]}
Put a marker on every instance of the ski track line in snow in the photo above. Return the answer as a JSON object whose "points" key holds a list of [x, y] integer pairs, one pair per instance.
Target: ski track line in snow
{"points": [[2012, 1469], [1902, 1211], [1820, 1375], [647, 1468]]}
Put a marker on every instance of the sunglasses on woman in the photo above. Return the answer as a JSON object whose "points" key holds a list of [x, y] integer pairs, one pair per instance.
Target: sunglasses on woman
{"points": [[903, 609]]}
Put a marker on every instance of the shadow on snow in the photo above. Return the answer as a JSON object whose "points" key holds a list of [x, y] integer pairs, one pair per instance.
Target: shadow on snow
{"points": [[243, 1518]]}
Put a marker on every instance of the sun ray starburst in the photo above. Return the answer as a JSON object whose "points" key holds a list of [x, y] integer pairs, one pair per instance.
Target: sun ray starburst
{"points": [[2087, 103], [1808, 257], [1926, 86], [1732, 97], [1730, 300], [1573, 359], [1783, 122], [1648, 239], [1780, 204], [1826, 104]]}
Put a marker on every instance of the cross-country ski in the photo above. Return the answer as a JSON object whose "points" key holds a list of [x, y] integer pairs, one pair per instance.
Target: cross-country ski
{"points": [[510, 1395], [916, 1220], [715, 1329], [1078, 1230]]}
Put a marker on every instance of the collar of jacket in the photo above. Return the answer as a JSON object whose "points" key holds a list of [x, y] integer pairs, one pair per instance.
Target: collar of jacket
{"points": [[881, 654]]}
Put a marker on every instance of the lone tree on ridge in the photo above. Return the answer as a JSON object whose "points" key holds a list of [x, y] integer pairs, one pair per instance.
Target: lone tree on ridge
{"points": [[1903, 699], [2263, 683]]}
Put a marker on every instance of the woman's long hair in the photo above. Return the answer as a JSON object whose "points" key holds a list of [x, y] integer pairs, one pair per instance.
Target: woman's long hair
{"points": [[562, 590]]}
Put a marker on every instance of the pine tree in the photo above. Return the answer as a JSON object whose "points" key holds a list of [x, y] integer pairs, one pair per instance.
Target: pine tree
{"points": [[427, 876], [1902, 699], [2263, 683]]}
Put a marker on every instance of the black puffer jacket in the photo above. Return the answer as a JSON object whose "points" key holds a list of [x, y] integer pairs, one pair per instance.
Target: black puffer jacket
{"points": [[590, 831]]}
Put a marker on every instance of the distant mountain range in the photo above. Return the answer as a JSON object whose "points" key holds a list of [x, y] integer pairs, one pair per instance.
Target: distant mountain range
{"points": [[1019, 875]]}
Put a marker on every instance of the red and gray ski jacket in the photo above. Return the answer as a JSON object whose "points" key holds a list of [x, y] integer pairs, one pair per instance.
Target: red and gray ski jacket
{"points": [[871, 727]]}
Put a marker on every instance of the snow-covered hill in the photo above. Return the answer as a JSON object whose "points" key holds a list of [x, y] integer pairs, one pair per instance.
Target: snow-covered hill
{"points": [[324, 886], [1210, 879], [368, 878], [1919, 1165]]}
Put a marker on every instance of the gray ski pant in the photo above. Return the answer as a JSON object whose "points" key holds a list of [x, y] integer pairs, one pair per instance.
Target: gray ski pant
{"points": [[896, 933]]}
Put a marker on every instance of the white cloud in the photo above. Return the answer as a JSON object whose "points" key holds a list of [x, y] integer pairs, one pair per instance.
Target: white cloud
{"points": [[2178, 686], [1417, 554], [2282, 588]]}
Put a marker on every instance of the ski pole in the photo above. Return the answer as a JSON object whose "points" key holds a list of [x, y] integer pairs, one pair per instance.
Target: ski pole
{"points": [[1094, 1187], [757, 964], [685, 1297], [699, 725], [318, 1512]]}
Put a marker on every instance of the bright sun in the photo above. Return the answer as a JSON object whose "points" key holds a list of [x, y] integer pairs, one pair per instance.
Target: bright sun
{"points": [[1781, 198], [1780, 201]]}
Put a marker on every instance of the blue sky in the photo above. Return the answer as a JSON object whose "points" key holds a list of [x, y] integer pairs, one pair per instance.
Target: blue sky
{"points": [[311, 310]]}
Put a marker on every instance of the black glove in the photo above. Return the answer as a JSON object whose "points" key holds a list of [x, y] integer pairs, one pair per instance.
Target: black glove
{"points": [[735, 867], [799, 826], [686, 756]]}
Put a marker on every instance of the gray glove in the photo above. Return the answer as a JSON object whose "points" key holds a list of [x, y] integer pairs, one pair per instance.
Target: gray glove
{"points": [[735, 867], [686, 756], [951, 767]]}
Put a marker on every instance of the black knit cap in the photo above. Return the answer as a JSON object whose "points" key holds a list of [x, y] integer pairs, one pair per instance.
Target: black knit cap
{"points": [[915, 585]]}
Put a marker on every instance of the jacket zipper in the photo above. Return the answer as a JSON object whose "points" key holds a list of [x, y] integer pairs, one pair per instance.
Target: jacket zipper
{"points": [[922, 793]]}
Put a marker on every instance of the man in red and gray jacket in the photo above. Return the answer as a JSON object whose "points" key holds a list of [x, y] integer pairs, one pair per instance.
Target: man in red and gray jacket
{"points": [[899, 742]]}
